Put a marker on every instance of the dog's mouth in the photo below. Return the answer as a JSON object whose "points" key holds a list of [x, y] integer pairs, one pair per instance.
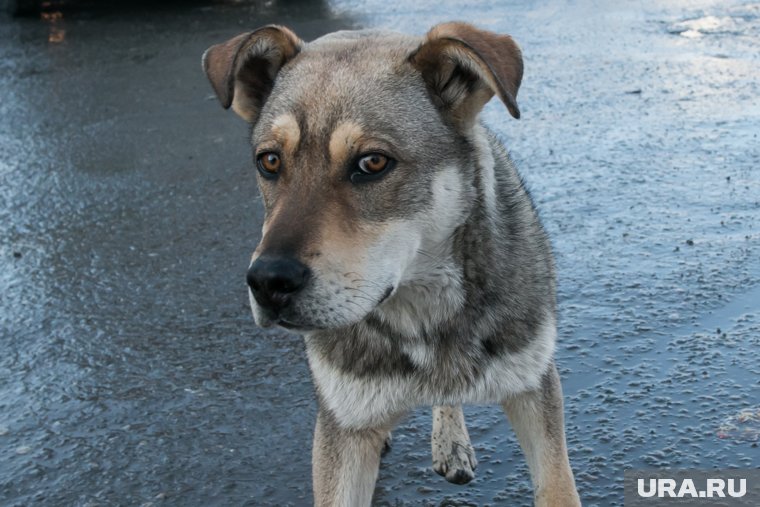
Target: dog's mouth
{"points": [[289, 318]]}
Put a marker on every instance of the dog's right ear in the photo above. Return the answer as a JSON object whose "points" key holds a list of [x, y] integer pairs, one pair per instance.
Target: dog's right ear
{"points": [[243, 69]]}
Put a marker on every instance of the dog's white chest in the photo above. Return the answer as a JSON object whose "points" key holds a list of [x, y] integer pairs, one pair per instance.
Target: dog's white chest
{"points": [[361, 401]]}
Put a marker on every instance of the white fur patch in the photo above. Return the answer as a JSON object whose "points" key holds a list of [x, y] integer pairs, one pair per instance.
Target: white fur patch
{"points": [[359, 402], [448, 207], [420, 353], [487, 164]]}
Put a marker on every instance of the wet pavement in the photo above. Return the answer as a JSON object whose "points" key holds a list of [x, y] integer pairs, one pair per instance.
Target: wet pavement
{"points": [[131, 372]]}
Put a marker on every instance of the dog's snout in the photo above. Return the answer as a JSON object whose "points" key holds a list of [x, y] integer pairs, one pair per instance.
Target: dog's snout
{"points": [[274, 280]]}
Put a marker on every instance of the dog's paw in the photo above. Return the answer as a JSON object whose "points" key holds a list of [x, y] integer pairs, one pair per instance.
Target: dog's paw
{"points": [[455, 461]]}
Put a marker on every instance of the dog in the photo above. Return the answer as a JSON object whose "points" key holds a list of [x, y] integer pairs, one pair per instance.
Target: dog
{"points": [[401, 242]]}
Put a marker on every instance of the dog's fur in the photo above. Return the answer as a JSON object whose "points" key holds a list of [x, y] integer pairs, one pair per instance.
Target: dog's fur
{"points": [[431, 285]]}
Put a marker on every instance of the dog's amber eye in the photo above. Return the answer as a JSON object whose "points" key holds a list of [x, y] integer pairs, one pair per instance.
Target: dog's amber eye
{"points": [[373, 163], [269, 163]]}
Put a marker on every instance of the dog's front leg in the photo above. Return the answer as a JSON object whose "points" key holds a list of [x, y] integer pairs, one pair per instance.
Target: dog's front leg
{"points": [[536, 416], [453, 455], [345, 462]]}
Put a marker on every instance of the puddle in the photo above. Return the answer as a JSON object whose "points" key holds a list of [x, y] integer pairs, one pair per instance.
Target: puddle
{"points": [[707, 25], [732, 18]]}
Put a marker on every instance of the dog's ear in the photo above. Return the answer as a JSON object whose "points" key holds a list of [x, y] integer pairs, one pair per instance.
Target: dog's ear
{"points": [[464, 67], [243, 69]]}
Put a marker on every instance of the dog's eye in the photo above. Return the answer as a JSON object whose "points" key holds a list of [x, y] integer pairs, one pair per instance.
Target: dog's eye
{"points": [[373, 163], [371, 167], [269, 164]]}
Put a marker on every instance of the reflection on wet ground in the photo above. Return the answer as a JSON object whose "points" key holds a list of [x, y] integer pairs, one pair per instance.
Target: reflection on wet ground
{"points": [[131, 371]]}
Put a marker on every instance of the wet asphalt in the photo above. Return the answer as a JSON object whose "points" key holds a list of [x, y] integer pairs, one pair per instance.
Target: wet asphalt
{"points": [[131, 372]]}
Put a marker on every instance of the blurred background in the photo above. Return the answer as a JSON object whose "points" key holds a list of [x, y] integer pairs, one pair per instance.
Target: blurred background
{"points": [[131, 372]]}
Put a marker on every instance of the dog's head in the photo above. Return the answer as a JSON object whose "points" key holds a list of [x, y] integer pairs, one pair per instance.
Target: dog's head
{"points": [[362, 145]]}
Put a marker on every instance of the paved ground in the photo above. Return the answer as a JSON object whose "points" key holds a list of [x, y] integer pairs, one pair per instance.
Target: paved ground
{"points": [[130, 370]]}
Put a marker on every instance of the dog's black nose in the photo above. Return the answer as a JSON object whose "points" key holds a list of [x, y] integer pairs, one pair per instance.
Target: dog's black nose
{"points": [[275, 279]]}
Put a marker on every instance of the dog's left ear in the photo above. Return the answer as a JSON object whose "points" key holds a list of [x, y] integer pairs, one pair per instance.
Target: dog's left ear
{"points": [[242, 70], [464, 67]]}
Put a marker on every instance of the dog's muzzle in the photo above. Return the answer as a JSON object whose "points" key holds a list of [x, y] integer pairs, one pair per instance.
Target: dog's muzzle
{"points": [[275, 280]]}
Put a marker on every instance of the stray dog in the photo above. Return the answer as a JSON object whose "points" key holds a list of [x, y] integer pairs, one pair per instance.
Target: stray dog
{"points": [[400, 241]]}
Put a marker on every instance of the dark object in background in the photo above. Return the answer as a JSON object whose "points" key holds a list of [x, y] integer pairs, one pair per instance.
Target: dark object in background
{"points": [[32, 8], [21, 7]]}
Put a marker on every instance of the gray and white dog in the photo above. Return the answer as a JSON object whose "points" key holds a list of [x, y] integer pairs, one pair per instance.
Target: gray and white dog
{"points": [[401, 242]]}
